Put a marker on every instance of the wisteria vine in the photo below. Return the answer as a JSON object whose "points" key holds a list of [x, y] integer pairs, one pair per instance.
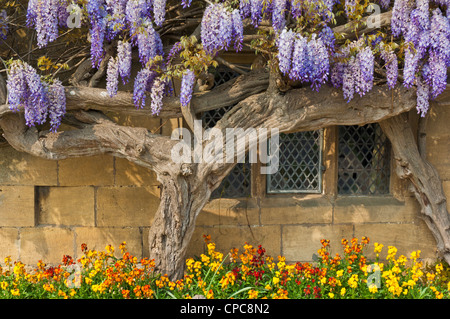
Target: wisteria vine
{"points": [[312, 56]]}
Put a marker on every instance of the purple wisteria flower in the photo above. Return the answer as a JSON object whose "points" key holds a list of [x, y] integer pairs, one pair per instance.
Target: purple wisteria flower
{"points": [[16, 86], [216, 28], [401, 16], [3, 24], [159, 11], [238, 30], [366, 64], [142, 83], [423, 97], [148, 42], [285, 45], [157, 94], [124, 60], [37, 104], [46, 22], [385, 3], [112, 76], [186, 3], [57, 104], [187, 87], [351, 72], [279, 14], [391, 64]]}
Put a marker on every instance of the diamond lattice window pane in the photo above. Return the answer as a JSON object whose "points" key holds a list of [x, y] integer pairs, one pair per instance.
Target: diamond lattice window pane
{"points": [[363, 160], [238, 182], [300, 164]]}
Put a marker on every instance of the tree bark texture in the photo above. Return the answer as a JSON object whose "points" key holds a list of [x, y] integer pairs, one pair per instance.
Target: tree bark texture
{"points": [[424, 178]]}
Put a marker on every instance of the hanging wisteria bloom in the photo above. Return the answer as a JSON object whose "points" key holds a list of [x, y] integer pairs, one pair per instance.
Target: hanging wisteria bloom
{"points": [[134, 13], [349, 77], [216, 28], [46, 21], [142, 83], [57, 104], [148, 42], [37, 104], [97, 16], [437, 74], [159, 11], [440, 35], [350, 7], [256, 11], [157, 94], [237, 29], [16, 86], [285, 45], [3, 24], [366, 64], [187, 87], [117, 21], [124, 60], [112, 76], [279, 14], [391, 64], [401, 16], [423, 97]]}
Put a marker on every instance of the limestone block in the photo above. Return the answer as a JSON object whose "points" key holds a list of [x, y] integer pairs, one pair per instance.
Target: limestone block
{"points": [[438, 150], [131, 174], [9, 237], [301, 242], [127, 206], [85, 171], [66, 206], [48, 244], [229, 211], [297, 209], [17, 206], [370, 209], [97, 238], [18, 168]]}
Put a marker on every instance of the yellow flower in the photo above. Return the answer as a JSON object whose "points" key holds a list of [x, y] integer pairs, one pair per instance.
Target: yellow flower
{"points": [[8, 261], [210, 294], [88, 280], [339, 273], [343, 291], [430, 276], [415, 255], [15, 292], [4, 285], [331, 295], [373, 288], [378, 247], [268, 287], [439, 268], [252, 294], [353, 281], [275, 280], [392, 251]]}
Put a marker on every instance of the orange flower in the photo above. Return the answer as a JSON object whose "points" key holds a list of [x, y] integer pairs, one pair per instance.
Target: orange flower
{"points": [[126, 293]]}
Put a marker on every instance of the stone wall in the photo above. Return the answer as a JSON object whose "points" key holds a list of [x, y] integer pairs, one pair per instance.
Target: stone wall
{"points": [[49, 208]]}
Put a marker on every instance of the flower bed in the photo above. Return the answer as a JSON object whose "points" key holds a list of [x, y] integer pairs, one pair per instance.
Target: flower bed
{"points": [[245, 274]]}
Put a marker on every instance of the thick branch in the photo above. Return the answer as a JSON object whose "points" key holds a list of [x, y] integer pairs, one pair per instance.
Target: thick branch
{"points": [[97, 136], [230, 93]]}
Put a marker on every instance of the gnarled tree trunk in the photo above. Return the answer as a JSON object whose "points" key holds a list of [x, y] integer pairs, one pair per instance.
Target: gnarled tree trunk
{"points": [[424, 178]]}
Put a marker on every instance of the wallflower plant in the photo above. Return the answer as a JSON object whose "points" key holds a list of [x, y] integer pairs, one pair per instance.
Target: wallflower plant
{"points": [[240, 274]]}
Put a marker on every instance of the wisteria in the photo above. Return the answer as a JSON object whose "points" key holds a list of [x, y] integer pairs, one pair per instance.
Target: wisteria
{"points": [[302, 59], [279, 14], [285, 47], [391, 64], [310, 54], [187, 87], [157, 93], [216, 28], [148, 42], [159, 11], [97, 15], [57, 104], [142, 83], [37, 98], [112, 77], [124, 60]]}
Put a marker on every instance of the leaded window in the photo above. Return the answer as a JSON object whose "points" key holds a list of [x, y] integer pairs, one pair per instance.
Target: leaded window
{"points": [[363, 160], [238, 182], [300, 164]]}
